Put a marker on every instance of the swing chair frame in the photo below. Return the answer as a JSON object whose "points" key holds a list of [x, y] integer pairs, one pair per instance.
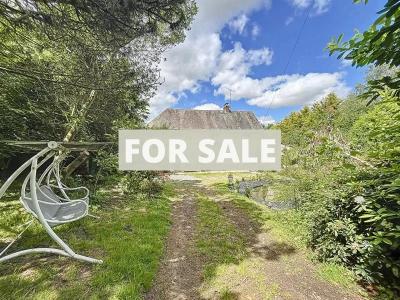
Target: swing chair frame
{"points": [[50, 151]]}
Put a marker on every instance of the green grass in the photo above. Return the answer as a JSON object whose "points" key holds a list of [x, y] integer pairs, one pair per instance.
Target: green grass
{"points": [[286, 226], [129, 237], [217, 240], [336, 274], [227, 258], [227, 295]]}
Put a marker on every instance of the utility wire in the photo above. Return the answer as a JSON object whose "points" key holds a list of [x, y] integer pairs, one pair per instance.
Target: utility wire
{"points": [[292, 52]]}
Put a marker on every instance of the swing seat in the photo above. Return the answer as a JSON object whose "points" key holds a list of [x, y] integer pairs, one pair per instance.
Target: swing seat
{"points": [[46, 205], [54, 209]]}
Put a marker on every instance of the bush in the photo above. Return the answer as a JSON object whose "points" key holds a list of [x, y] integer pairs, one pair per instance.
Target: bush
{"points": [[146, 182], [349, 193], [360, 225], [140, 182]]}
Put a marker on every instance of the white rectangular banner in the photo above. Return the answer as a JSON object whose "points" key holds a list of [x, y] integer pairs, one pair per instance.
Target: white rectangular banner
{"points": [[200, 150]]}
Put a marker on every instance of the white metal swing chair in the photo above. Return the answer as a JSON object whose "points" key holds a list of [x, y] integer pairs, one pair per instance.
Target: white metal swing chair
{"points": [[44, 204]]}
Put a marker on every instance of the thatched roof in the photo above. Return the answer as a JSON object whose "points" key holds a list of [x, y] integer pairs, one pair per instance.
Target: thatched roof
{"points": [[205, 119]]}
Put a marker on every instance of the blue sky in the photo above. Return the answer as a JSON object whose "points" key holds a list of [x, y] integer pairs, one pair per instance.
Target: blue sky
{"points": [[241, 48]]}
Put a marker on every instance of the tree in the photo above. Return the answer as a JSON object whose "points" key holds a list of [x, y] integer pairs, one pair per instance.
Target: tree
{"points": [[114, 23], [80, 69], [56, 54], [379, 45]]}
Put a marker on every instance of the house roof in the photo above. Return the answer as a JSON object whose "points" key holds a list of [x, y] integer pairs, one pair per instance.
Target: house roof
{"points": [[205, 119]]}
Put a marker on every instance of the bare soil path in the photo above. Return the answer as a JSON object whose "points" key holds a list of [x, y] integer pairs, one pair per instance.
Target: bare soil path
{"points": [[270, 270], [180, 273]]}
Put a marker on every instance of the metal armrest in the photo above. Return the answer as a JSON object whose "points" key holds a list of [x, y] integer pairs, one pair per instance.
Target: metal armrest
{"points": [[72, 189]]}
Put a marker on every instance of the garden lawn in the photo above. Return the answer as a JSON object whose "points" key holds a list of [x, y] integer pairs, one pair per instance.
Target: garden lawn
{"points": [[129, 237]]}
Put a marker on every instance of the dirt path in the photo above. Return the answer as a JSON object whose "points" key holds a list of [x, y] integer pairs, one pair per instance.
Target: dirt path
{"points": [[180, 273], [270, 270], [285, 272]]}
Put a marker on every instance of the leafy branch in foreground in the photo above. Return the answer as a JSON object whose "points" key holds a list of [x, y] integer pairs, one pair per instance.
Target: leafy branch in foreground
{"points": [[378, 45]]}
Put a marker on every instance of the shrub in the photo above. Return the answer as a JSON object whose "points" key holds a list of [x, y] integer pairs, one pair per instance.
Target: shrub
{"points": [[360, 224], [349, 193]]}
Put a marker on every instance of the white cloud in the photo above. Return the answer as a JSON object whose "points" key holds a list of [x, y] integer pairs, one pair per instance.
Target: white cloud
{"points": [[196, 59], [238, 24], [319, 6], [233, 68], [160, 102], [208, 106], [185, 65], [299, 89], [266, 120], [301, 3], [345, 63], [200, 58], [233, 80], [260, 56], [213, 15], [289, 21], [255, 31]]}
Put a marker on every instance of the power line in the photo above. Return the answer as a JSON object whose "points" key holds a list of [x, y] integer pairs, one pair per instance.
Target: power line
{"points": [[292, 52]]}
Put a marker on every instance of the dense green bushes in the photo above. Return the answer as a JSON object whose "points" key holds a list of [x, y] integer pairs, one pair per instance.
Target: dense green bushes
{"points": [[347, 171], [348, 167], [380, 210], [149, 183]]}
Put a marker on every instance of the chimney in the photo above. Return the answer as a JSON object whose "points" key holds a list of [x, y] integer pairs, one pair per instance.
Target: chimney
{"points": [[227, 108]]}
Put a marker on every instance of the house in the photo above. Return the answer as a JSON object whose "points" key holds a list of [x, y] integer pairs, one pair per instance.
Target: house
{"points": [[206, 119]]}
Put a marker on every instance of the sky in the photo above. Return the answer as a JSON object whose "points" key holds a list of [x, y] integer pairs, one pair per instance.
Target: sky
{"points": [[240, 50]]}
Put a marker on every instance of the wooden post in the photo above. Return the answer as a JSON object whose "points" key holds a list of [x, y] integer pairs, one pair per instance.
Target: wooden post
{"points": [[83, 156]]}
